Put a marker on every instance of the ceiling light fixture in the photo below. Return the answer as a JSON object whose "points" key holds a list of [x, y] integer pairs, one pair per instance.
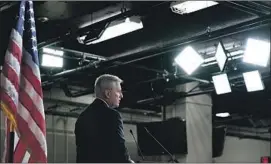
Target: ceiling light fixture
{"points": [[190, 6], [118, 28], [52, 58], [53, 51], [226, 114]]}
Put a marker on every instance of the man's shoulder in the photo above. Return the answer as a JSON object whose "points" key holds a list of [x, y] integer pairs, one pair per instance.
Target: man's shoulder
{"points": [[103, 109], [113, 112], [94, 111]]}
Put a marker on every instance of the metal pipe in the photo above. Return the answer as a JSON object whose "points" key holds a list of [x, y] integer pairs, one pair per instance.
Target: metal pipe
{"points": [[232, 119], [65, 57], [177, 96], [149, 100], [103, 14], [197, 93], [68, 92], [99, 57], [244, 136], [76, 115], [189, 94], [248, 130], [241, 7], [52, 41], [7, 5], [84, 105], [81, 54], [141, 67], [199, 37], [262, 4], [258, 6], [231, 77]]}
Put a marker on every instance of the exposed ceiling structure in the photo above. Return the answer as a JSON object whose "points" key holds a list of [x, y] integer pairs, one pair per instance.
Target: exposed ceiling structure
{"points": [[144, 59]]}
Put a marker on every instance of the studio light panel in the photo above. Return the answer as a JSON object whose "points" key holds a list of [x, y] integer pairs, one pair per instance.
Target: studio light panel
{"points": [[189, 60], [221, 57], [253, 81], [222, 84], [257, 52]]}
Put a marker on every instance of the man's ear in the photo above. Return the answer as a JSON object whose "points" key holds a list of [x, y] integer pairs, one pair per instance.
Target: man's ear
{"points": [[107, 93]]}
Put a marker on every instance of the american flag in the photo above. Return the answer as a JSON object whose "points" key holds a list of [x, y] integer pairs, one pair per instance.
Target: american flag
{"points": [[21, 91]]}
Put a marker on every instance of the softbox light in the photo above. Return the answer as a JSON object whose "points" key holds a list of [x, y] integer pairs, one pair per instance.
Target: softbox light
{"points": [[221, 56], [189, 60], [222, 84], [257, 52], [253, 81]]}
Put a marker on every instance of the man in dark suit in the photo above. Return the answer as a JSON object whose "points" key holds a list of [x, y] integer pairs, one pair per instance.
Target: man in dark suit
{"points": [[99, 129]]}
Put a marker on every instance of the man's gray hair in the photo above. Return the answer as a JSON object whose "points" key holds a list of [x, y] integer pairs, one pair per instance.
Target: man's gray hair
{"points": [[105, 82]]}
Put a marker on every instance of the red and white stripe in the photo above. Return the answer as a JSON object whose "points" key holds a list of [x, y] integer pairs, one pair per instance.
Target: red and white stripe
{"points": [[22, 93]]}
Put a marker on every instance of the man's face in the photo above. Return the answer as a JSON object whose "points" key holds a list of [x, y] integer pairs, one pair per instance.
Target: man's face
{"points": [[115, 95]]}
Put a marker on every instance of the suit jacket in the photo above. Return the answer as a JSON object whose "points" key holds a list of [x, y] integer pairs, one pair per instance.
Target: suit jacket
{"points": [[99, 135]]}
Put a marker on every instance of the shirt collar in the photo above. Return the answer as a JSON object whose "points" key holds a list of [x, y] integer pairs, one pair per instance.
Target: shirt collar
{"points": [[103, 101]]}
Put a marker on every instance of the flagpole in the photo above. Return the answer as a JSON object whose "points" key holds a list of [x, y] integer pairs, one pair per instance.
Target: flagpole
{"points": [[11, 144]]}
